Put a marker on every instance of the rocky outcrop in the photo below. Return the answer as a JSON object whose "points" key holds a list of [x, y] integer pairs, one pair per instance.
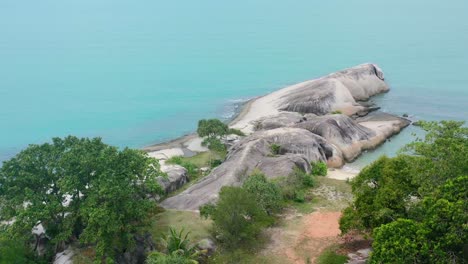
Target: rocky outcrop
{"points": [[298, 147], [176, 178], [298, 119], [338, 91], [341, 91], [343, 132], [280, 120]]}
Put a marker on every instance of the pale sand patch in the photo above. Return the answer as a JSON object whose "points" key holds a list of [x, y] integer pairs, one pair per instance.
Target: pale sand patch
{"points": [[341, 174], [165, 154], [195, 144]]}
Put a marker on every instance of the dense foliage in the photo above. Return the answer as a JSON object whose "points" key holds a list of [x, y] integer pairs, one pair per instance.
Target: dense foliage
{"points": [[237, 216], [79, 189], [416, 204], [267, 194], [213, 130], [319, 168], [177, 250], [292, 187]]}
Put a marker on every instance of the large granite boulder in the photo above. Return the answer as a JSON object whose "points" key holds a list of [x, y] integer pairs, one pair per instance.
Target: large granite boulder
{"points": [[339, 91], [298, 147], [298, 120], [342, 131], [176, 177], [280, 120]]}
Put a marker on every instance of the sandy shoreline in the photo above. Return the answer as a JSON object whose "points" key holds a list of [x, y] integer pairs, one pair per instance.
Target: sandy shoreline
{"points": [[187, 142]]}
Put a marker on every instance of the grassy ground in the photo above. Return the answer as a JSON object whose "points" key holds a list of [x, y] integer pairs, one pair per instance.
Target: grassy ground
{"points": [[329, 256], [327, 195], [190, 221]]}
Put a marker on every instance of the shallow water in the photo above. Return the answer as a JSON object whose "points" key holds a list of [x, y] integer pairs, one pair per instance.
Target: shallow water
{"points": [[137, 73]]}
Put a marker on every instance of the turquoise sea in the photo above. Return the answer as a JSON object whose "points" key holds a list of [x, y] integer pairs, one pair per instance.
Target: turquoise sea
{"points": [[141, 72]]}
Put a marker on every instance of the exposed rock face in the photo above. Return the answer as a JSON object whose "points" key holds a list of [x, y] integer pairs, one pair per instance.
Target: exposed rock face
{"points": [[279, 120], [207, 245], [176, 178], [342, 131], [143, 245], [298, 148], [64, 257], [297, 119], [338, 91]]}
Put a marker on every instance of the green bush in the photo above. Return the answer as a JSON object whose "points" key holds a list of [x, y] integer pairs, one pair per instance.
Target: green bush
{"points": [[267, 194], [308, 180], [192, 170], [319, 168], [236, 132], [214, 144], [174, 258], [275, 149], [329, 256], [299, 196], [207, 210], [237, 216], [215, 163], [336, 112], [297, 180]]}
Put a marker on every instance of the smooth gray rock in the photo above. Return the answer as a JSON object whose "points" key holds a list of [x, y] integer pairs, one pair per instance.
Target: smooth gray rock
{"points": [[304, 130], [337, 91], [298, 146], [283, 165], [281, 120], [207, 245], [340, 130], [176, 178]]}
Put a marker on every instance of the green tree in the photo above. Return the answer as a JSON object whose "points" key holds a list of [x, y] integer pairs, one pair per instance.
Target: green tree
{"points": [[442, 153], [381, 191], [402, 241], [238, 217], [267, 194], [79, 189], [439, 236], [212, 128]]}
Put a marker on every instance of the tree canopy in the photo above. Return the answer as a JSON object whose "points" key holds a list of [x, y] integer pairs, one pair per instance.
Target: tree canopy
{"points": [[415, 205], [79, 189]]}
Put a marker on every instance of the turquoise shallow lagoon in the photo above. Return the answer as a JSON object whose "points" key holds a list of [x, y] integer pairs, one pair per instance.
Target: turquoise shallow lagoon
{"points": [[141, 72]]}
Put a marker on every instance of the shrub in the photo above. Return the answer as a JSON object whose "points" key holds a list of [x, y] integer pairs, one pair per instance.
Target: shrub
{"points": [[207, 210], [308, 180], [237, 217], [214, 144], [297, 180], [275, 149], [236, 132], [192, 170], [174, 258], [215, 163], [299, 196], [319, 168], [336, 112], [267, 194]]}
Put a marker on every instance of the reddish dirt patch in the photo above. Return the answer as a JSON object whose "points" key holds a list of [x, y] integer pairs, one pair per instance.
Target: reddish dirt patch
{"points": [[322, 224], [306, 241]]}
